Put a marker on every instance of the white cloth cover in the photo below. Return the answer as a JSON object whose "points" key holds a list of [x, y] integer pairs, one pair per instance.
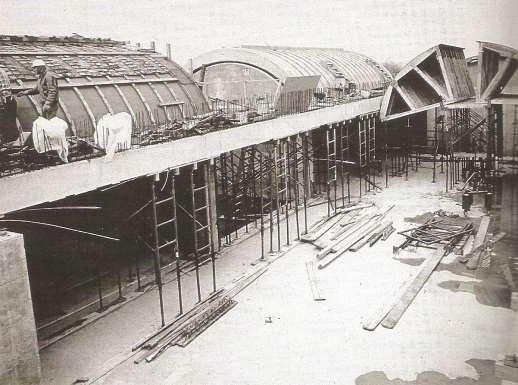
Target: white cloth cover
{"points": [[48, 135], [113, 133]]}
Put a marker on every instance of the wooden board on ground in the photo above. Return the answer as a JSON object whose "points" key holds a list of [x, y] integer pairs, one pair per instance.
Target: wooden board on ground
{"points": [[380, 313], [321, 230], [313, 281], [415, 287]]}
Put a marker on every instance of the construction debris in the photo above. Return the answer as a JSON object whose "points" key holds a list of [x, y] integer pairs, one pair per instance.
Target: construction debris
{"points": [[185, 328], [437, 231]]}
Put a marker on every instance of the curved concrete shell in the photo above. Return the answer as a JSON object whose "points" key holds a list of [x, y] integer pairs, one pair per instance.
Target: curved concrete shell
{"points": [[100, 76], [258, 69]]}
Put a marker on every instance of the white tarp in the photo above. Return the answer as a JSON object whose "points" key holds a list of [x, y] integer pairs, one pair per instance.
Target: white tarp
{"points": [[49, 135], [113, 133]]}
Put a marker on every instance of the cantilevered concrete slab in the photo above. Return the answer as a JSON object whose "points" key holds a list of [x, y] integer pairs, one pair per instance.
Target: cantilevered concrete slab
{"points": [[50, 184], [437, 76]]}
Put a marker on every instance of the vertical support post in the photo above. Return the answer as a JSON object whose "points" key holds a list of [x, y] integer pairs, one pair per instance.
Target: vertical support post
{"points": [[295, 168], [175, 248], [305, 177], [209, 201], [158, 272], [195, 228], [261, 189]]}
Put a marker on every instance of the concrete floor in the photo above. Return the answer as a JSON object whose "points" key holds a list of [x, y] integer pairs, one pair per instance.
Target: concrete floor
{"points": [[447, 336]]}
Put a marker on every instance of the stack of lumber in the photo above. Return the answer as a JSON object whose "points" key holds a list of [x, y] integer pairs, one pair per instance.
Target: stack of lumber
{"points": [[186, 327], [349, 229]]}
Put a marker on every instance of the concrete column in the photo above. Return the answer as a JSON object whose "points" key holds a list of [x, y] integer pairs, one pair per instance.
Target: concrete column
{"points": [[19, 354]]}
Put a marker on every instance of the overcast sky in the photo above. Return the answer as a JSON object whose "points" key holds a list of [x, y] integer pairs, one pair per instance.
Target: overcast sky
{"points": [[386, 30]]}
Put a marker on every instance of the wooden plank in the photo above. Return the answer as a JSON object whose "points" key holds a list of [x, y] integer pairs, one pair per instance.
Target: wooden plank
{"points": [[415, 287], [329, 258], [386, 305], [313, 236], [481, 232], [313, 281], [342, 235]]}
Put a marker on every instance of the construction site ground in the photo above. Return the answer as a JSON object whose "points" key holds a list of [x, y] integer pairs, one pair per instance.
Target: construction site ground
{"points": [[277, 334]]}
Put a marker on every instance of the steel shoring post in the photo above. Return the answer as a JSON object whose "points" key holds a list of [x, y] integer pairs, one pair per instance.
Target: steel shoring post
{"points": [[341, 152], [271, 180], [347, 155], [360, 152], [261, 189], [328, 172], [407, 148], [137, 268], [224, 187], [294, 140], [235, 188], [372, 141], [175, 249], [99, 277], [335, 175], [158, 273], [447, 171], [305, 178], [195, 228], [208, 194], [276, 185], [285, 183], [435, 145]]}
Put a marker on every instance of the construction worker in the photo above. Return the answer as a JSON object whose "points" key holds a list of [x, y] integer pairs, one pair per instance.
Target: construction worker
{"points": [[47, 88], [8, 128]]}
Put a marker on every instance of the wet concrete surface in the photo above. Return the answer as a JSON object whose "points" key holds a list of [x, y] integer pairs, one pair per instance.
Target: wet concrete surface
{"points": [[484, 368]]}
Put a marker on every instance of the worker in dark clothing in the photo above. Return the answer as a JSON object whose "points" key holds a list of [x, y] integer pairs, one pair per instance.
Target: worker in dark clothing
{"points": [[47, 88], [8, 128]]}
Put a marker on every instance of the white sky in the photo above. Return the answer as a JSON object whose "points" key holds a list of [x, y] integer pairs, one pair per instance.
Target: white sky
{"points": [[386, 30]]}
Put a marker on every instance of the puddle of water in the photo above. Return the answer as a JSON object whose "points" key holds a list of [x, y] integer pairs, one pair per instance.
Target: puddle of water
{"points": [[484, 368]]}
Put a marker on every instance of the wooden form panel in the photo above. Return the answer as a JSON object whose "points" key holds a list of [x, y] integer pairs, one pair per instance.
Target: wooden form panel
{"points": [[437, 76], [497, 67]]}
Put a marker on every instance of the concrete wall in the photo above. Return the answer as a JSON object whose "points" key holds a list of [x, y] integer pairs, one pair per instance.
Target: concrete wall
{"points": [[19, 356]]}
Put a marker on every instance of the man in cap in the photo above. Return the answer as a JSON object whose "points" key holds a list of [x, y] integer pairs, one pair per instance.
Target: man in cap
{"points": [[47, 88]]}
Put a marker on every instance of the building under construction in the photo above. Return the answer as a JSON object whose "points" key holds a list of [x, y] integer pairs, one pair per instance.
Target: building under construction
{"points": [[120, 248]]}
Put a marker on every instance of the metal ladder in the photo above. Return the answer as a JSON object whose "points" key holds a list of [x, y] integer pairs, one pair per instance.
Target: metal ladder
{"points": [[165, 232], [371, 153], [280, 173], [200, 216], [266, 198], [344, 156], [362, 149], [331, 171]]}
